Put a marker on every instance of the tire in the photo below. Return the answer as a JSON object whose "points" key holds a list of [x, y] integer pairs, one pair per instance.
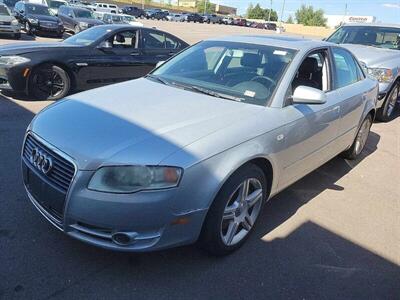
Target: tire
{"points": [[28, 29], [360, 140], [49, 83], [77, 29], [17, 36], [221, 236], [385, 113]]}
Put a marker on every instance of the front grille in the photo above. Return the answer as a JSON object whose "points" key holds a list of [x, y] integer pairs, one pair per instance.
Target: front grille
{"points": [[62, 172], [48, 24], [5, 23]]}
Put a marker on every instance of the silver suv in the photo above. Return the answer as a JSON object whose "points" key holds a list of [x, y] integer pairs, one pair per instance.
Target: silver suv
{"points": [[377, 47], [8, 23]]}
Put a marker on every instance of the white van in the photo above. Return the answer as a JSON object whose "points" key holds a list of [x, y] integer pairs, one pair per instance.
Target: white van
{"points": [[105, 7]]}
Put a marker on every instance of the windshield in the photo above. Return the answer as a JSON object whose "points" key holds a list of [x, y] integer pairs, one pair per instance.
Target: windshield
{"points": [[4, 11], [236, 71], [87, 37], [129, 19], [37, 10], [56, 4], [382, 37], [83, 13]]}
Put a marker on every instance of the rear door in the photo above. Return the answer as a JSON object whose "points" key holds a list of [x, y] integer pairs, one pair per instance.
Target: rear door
{"points": [[158, 46], [350, 84]]}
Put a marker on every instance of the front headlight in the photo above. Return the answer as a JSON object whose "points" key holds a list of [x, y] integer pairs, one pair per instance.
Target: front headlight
{"points": [[13, 60], [83, 24], [381, 74], [33, 21], [14, 22], [129, 179]]}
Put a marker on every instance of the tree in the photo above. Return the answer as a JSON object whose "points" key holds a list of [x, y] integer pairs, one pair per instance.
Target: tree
{"points": [[307, 16], [257, 12], [210, 7], [290, 20]]}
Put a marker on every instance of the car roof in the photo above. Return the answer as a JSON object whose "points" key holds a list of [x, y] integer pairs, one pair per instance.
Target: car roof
{"points": [[282, 41], [373, 25]]}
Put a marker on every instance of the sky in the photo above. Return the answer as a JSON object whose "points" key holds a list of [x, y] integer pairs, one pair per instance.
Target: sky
{"points": [[387, 11]]}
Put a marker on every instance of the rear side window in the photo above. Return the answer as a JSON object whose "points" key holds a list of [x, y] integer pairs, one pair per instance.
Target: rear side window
{"points": [[346, 68], [154, 40]]}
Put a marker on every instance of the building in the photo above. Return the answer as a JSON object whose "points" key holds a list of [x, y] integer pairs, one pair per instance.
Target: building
{"points": [[333, 21], [219, 9]]}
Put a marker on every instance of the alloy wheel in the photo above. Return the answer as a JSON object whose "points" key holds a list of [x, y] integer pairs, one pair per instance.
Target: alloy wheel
{"points": [[241, 211], [49, 83], [392, 101], [362, 135]]}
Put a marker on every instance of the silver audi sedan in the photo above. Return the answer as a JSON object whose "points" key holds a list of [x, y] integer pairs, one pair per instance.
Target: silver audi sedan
{"points": [[193, 151]]}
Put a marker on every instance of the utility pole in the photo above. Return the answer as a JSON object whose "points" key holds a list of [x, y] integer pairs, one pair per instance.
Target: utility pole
{"points": [[283, 9], [269, 14], [142, 4], [205, 6]]}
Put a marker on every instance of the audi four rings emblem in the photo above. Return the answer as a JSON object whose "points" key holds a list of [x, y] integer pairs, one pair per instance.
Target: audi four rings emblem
{"points": [[41, 161]]}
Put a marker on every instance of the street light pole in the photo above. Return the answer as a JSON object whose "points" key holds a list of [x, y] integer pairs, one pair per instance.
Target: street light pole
{"points": [[205, 6], [283, 9], [269, 14]]}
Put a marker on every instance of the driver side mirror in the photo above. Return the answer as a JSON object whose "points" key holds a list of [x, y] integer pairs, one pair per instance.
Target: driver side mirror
{"points": [[105, 45], [70, 15], [308, 95]]}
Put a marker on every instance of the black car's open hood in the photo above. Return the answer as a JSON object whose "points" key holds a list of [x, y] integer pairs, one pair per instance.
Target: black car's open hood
{"points": [[27, 47]]}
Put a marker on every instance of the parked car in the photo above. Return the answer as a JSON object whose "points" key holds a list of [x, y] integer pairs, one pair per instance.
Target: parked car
{"points": [[133, 11], [227, 20], [120, 19], [54, 5], [193, 18], [174, 17], [151, 11], [377, 46], [8, 23], [95, 57], [194, 150], [36, 18], [257, 25], [9, 3], [105, 7], [157, 15], [212, 18], [240, 22], [270, 26], [76, 19]]}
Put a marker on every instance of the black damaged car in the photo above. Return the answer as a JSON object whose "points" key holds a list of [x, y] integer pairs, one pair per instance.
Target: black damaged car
{"points": [[95, 57], [36, 18]]}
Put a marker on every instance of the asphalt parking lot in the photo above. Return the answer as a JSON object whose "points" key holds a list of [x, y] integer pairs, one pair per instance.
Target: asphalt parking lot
{"points": [[333, 235]]}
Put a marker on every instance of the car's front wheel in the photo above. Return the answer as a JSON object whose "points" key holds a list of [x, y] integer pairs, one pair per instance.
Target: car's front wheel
{"points": [[234, 212], [386, 111], [49, 83], [360, 141]]}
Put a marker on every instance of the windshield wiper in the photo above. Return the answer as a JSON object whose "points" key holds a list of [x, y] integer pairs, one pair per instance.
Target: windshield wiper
{"points": [[158, 78], [215, 94]]}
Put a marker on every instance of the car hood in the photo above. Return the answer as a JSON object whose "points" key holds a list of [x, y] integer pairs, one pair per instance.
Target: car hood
{"points": [[89, 21], [372, 56], [28, 47], [43, 17], [135, 122], [5, 18]]}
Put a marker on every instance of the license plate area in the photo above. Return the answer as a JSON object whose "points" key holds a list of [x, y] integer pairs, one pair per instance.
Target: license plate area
{"points": [[50, 199]]}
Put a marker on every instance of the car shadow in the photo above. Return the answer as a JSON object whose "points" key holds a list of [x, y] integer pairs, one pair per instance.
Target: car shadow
{"points": [[311, 262]]}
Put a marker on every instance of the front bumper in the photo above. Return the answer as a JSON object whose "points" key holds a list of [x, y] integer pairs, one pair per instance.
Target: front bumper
{"points": [[10, 29], [14, 77], [57, 30], [150, 217]]}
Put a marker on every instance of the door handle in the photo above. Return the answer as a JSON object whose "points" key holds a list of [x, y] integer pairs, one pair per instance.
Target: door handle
{"points": [[135, 53]]}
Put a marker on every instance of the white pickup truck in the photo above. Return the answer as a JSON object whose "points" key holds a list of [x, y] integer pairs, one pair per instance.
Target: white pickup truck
{"points": [[377, 47]]}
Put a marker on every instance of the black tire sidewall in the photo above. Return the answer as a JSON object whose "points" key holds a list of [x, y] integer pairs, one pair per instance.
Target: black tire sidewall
{"points": [[351, 152], [63, 74], [210, 237], [382, 112]]}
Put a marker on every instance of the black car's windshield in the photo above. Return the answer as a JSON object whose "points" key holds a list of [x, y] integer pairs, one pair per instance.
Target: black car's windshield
{"points": [[87, 37], [236, 71], [4, 11], [37, 10], [83, 13], [383, 37], [56, 4]]}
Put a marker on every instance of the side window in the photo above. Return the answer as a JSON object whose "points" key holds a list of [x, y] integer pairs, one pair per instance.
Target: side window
{"points": [[346, 68], [153, 40], [124, 40], [171, 43]]}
